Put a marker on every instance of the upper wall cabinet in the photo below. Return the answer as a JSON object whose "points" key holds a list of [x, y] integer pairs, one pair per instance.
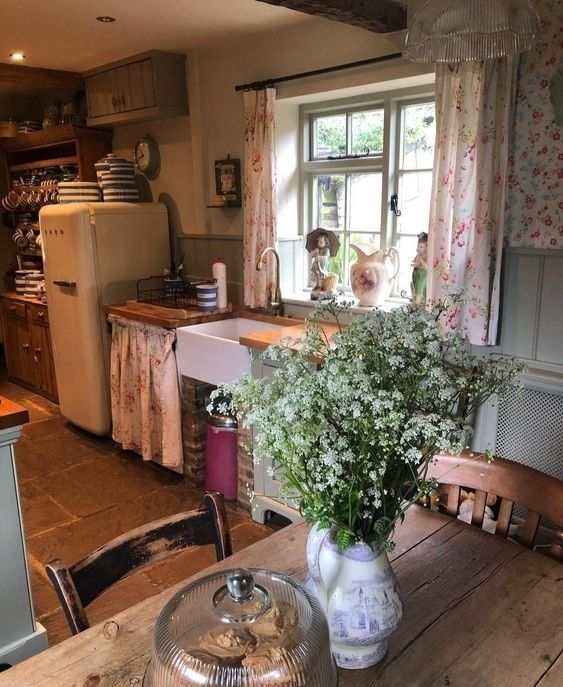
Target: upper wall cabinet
{"points": [[147, 86]]}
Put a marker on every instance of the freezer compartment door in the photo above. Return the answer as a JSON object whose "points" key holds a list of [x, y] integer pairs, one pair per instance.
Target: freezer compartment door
{"points": [[73, 297]]}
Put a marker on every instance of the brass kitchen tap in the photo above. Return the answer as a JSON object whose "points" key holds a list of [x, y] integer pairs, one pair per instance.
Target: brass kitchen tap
{"points": [[276, 304]]}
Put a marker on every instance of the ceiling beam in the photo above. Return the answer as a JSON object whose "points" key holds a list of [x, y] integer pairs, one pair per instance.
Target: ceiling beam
{"points": [[381, 16], [40, 78]]}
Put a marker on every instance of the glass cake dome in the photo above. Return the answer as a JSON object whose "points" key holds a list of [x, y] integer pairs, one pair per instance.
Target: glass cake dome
{"points": [[239, 628]]}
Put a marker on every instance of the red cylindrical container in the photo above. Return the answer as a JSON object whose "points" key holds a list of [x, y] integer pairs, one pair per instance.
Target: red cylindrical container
{"points": [[221, 472]]}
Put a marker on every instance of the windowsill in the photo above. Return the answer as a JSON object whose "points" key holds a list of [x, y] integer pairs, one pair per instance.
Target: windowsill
{"points": [[303, 298]]}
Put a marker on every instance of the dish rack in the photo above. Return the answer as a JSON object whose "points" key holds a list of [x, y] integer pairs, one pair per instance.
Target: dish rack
{"points": [[168, 293]]}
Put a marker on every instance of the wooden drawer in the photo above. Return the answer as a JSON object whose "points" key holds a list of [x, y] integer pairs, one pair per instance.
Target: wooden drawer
{"points": [[14, 309], [39, 314]]}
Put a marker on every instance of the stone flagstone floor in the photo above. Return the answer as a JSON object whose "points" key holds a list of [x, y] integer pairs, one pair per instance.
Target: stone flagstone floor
{"points": [[78, 492]]}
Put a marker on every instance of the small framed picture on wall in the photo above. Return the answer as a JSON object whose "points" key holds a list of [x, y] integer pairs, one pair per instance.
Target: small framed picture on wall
{"points": [[227, 181]]}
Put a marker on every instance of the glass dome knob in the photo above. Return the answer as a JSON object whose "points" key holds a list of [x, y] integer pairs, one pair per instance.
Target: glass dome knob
{"points": [[240, 583]]}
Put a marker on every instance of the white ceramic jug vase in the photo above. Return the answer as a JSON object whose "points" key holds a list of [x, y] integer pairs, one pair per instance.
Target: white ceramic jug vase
{"points": [[369, 276], [359, 594]]}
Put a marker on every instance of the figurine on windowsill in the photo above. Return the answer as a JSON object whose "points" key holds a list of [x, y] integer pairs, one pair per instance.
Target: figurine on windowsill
{"points": [[322, 244], [419, 272]]}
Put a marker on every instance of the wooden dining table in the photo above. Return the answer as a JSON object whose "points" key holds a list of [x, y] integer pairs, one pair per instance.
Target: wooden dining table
{"points": [[478, 611]]}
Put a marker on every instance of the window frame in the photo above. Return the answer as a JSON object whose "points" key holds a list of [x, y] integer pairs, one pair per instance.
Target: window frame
{"points": [[348, 112], [386, 162]]}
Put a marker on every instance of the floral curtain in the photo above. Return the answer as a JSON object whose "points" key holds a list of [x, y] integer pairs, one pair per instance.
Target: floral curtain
{"points": [[259, 193], [145, 395], [474, 104]]}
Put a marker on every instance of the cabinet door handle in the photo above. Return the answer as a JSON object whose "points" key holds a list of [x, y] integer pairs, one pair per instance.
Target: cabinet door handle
{"points": [[25, 346], [12, 308], [65, 282], [37, 350], [41, 314]]}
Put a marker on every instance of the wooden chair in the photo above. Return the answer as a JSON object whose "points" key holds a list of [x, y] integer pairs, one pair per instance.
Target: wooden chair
{"points": [[512, 483], [80, 584]]}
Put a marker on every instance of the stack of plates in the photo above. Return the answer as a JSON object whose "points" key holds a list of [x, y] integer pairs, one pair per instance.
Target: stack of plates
{"points": [[117, 178], [34, 284], [102, 165], [68, 172], [79, 192], [28, 282], [29, 125]]}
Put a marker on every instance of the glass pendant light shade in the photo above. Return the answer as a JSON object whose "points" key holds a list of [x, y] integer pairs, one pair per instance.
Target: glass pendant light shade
{"points": [[471, 30]]}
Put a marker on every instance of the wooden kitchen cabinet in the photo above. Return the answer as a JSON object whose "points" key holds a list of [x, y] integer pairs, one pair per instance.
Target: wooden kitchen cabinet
{"points": [[27, 344], [42, 353], [17, 344], [148, 86], [102, 89]]}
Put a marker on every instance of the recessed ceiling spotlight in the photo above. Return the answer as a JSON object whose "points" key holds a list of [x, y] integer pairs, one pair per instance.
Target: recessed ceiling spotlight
{"points": [[17, 56], [105, 19]]}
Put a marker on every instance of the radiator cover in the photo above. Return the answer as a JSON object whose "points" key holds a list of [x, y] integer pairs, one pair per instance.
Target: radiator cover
{"points": [[527, 426], [530, 430]]}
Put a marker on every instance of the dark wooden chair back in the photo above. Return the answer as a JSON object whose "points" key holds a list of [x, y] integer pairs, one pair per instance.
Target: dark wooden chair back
{"points": [[80, 584], [540, 494]]}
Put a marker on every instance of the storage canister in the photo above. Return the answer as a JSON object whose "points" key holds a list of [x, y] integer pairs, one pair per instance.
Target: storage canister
{"points": [[221, 467], [206, 297]]}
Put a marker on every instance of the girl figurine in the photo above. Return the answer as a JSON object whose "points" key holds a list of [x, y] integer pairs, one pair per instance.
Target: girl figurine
{"points": [[420, 273], [319, 266]]}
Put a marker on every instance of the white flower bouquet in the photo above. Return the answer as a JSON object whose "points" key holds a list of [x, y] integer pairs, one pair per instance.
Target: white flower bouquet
{"points": [[354, 436]]}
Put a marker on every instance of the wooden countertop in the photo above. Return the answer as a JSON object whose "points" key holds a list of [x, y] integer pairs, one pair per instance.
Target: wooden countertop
{"points": [[11, 414], [478, 610], [161, 320], [172, 321], [13, 296], [261, 340]]}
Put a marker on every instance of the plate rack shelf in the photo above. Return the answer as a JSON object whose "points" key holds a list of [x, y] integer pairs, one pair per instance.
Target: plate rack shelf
{"points": [[61, 145]]}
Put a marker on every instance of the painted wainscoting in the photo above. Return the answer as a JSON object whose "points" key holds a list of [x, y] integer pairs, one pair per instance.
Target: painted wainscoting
{"points": [[201, 251], [527, 426], [532, 306]]}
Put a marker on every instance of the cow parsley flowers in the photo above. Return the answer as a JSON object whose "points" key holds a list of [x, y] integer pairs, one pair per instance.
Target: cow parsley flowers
{"points": [[353, 436]]}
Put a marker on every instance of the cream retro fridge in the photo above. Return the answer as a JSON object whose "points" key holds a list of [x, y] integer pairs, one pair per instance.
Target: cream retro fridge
{"points": [[94, 254]]}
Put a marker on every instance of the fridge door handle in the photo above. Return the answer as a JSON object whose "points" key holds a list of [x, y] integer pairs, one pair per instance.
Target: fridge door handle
{"points": [[65, 283]]}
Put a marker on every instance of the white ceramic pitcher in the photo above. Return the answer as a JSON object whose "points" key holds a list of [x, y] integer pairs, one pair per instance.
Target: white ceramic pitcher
{"points": [[360, 595], [369, 276]]}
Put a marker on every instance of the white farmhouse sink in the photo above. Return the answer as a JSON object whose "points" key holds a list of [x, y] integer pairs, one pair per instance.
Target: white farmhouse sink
{"points": [[211, 352]]}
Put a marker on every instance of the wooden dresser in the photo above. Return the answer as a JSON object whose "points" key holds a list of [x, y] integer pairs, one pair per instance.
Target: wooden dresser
{"points": [[27, 344]]}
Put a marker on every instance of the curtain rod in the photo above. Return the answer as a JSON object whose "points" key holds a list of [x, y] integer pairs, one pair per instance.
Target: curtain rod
{"points": [[258, 85]]}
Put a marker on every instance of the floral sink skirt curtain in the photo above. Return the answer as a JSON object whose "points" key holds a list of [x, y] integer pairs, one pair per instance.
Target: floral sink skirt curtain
{"points": [[145, 395], [474, 106], [259, 193]]}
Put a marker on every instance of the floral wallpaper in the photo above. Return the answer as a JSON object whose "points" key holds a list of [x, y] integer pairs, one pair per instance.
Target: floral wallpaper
{"points": [[534, 213]]}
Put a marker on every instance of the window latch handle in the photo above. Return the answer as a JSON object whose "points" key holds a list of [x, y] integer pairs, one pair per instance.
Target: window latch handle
{"points": [[395, 205]]}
